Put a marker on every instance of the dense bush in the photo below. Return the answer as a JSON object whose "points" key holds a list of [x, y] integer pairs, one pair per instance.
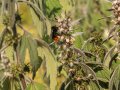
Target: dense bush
{"points": [[76, 45]]}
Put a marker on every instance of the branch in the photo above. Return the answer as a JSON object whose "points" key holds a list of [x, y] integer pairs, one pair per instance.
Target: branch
{"points": [[23, 28], [5, 47]]}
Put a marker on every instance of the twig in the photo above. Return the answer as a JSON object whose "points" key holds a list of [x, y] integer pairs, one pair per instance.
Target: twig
{"points": [[23, 28], [5, 47], [23, 82]]}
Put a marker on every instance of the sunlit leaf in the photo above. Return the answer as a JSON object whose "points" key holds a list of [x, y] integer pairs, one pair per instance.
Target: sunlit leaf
{"points": [[43, 26], [28, 42], [40, 25], [34, 59], [47, 55], [9, 52]]}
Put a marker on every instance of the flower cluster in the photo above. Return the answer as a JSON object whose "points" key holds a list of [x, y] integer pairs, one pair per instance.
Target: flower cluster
{"points": [[116, 10], [66, 39], [64, 31], [68, 55]]}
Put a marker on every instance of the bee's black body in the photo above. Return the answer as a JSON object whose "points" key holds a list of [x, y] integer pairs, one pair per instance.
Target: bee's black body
{"points": [[54, 33]]}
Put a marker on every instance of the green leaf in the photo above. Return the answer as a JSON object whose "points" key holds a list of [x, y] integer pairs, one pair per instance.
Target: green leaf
{"points": [[66, 6], [53, 7], [34, 58], [36, 8], [39, 19], [93, 86], [10, 84], [6, 85], [108, 57], [103, 74], [36, 86], [114, 83], [39, 24], [114, 62], [43, 26], [28, 42], [46, 8], [89, 70], [9, 53], [22, 48], [45, 52], [67, 85]]}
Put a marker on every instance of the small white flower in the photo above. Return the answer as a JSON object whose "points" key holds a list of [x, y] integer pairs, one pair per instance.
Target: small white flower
{"points": [[67, 40]]}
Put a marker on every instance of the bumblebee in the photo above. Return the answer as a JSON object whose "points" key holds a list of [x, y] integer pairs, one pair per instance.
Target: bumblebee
{"points": [[54, 34]]}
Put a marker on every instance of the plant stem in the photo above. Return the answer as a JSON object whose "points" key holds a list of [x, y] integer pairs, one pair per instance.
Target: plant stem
{"points": [[2, 49]]}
